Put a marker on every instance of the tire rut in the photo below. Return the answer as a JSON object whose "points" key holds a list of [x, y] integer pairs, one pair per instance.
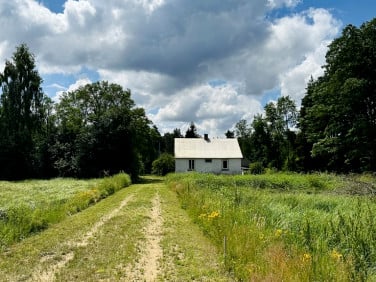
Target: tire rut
{"points": [[147, 267], [54, 266]]}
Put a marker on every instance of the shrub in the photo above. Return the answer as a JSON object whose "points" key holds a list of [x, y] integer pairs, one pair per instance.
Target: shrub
{"points": [[164, 164], [256, 168]]}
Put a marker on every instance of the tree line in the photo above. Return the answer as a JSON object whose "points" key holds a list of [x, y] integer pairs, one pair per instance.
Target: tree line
{"points": [[335, 128], [92, 131], [98, 130]]}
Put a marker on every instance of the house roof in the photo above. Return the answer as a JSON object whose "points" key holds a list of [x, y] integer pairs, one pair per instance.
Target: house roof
{"points": [[199, 148]]}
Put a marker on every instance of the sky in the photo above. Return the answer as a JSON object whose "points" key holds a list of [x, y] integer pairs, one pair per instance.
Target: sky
{"points": [[207, 61]]}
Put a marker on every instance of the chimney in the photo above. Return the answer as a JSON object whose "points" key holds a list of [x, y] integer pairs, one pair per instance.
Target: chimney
{"points": [[206, 137]]}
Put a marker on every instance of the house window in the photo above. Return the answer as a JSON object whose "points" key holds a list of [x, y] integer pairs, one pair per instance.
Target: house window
{"points": [[208, 160], [191, 165], [224, 164]]}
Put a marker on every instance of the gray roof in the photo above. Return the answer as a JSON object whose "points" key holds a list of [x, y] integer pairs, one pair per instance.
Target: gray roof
{"points": [[199, 148]]}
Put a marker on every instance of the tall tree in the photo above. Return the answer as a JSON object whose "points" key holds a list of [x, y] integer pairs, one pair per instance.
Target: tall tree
{"points": [[338, 115], [243, 134], [22, 114], [167, 145], [192, 131], [260, 141], [281, 118]]}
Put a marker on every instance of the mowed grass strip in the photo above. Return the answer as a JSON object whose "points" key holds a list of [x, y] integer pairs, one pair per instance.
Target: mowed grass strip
{"points": [[38, 252], [37, 192], [111, 253]]}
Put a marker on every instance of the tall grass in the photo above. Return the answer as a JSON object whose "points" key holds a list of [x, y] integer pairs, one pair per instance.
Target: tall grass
{"points": [[30, 206], [287, 227]]}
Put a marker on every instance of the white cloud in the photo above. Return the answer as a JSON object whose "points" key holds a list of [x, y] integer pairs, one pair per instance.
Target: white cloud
{"points": [[79, 83], [166, 51], [213, 109], [287, 40], [280, 3]]}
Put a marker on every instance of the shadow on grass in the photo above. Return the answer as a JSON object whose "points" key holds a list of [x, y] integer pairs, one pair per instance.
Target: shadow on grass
{"points": [[150, 179]]}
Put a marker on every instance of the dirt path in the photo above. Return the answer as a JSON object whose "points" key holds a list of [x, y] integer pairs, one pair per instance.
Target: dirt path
{"points": [[146, 269]]}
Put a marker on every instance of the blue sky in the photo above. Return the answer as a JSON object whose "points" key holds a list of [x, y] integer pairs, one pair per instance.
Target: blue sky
{"points": [[211, 62]]}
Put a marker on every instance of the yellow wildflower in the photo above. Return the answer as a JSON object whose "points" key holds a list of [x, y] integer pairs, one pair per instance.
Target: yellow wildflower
{"points": [[306, 257], [214, 214], [278, 233], [336, 255]]}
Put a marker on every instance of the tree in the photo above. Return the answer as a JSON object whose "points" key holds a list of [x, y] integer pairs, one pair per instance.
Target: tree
{"points": [[167, 145], [23, 114], [192, 131], [230, 134], [338, 114], [164, 164], [260, 142], [243, 133], [101, 130], [281, 117]]}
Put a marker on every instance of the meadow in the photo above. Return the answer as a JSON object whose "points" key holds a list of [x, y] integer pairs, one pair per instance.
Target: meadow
{"points": [[27, 207], [286, 227]]}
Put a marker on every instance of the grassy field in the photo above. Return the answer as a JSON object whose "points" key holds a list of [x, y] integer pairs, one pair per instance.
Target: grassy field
{"points": [[28, 207], [271, 227], [286, 227]]}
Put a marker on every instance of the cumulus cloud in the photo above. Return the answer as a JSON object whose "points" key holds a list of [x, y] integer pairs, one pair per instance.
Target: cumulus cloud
{"points": [[213, 108], [166, 51], [79, 83], [301, 40]]}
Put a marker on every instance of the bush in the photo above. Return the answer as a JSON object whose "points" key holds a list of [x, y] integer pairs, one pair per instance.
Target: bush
{"points": [[163, 165], [256, 168]]}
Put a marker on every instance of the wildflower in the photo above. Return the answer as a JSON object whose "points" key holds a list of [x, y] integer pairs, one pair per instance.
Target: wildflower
{"points": [[306, 257], [214, 214], [336, 255], [278, 233]]}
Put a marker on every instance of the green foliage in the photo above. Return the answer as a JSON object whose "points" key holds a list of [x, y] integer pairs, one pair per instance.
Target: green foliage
{"points": [[164, 164], [167, 141], [289, 227], [31, 206], [100, 130], [270, 140], [256, 168], [23, 115], [338, 112], [192, 131]]}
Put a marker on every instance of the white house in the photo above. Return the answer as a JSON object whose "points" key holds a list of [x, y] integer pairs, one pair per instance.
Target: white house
{"points": [[207, 155]]}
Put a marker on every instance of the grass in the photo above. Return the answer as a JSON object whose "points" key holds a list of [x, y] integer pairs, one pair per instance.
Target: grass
{"points": [[287, 227], [21, 260], [188, 255], [29, 207]]}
